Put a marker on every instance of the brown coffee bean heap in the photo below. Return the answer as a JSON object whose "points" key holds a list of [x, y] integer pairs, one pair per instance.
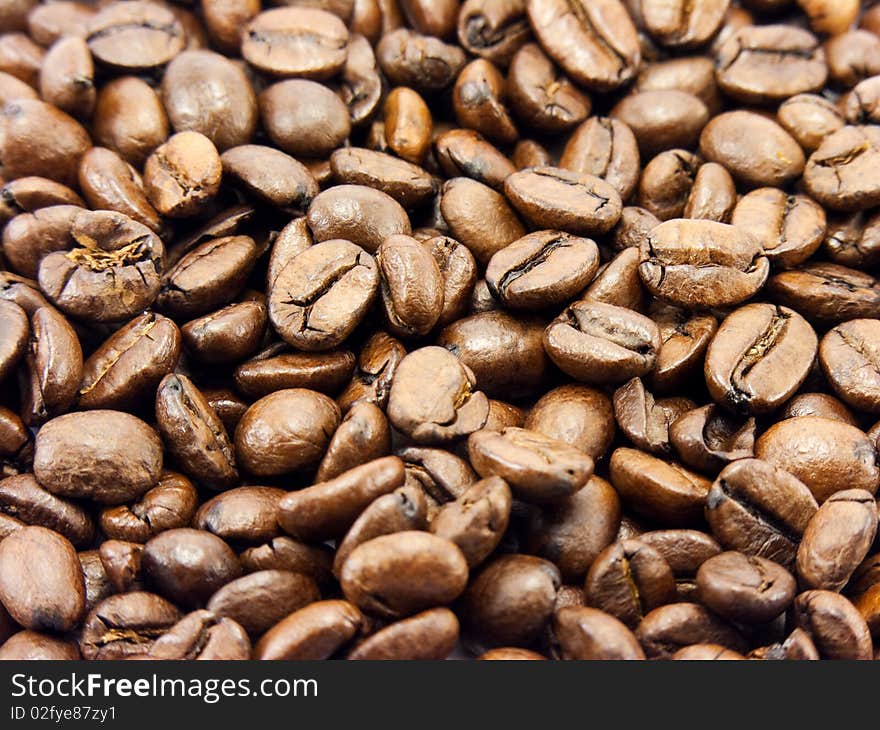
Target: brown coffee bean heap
{"points": [[393, 329]]}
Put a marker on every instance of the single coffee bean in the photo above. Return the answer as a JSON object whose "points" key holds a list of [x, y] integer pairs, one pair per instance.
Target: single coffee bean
{"points": [[713, 194], [537, 468], [16, 444], [29, 237], [707, 438], [644, 420], [754, 149], [183, 175], [510, 654], [33, 645], [452, 410], [459, 272], [853, 240], [379, 575], [411, 284], [510, 601], [130, 119], [67, 77], [296, 41], [595, 43], [827, 293], [409, 184], [317, 631], [706, 652], [664, 119], [441, 475], [422, 62], [28, 194], [270, 176], [278, 368], [692, 74], [126, 369], [493, 29], [22, 497], [577, 415], [550, 197], [760, 510], [285, 553], [606, 148], [730, 262], [122, 564], [667, 183], [850, 358], [479, 98], [684, 338], [361, 89], [432, 634], [187, 566], [358, 214], [627, 580], [135, 36], [374, 371], [107, 456], [242, 515], [839, 174], [582, 633], [656, 489], [672, 627], [204, 636], [170, 504], [41, 581], [228, 335], [328, 509], [363, 435], [601, 343], [837, 539], [126, 625], [465, 153], [834, 624], [825, 455], [818, 404], [685, 551]]}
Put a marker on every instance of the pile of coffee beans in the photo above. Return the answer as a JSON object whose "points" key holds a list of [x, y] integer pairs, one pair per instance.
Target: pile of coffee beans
{"points": [[402, 329]]}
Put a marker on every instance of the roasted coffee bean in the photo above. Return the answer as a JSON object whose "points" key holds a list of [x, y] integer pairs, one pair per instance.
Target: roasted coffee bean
{"points": [[67, 77], [422, 62], [550, 197], [759, 357], [837, 539], [29, 237], [685, 551], [358, 214], [187, 566], [827, 293], [411, 285], [627, 580], [122, 564], [432, 634], [478, 98], [270, 176], [126, 625], [107, 456], [706, 652], [135, 36], [818, 404], [378, 574], [606, 148], [684, 338], [130, 119], [294, 41], [278, 367], [692, 74], [466, 153], [672, 627], [862, 104], [537, 468], [183, 175], [493, 29], [760, 510], [28, 194], [644, 420], [582, 633], [510, 601], [707, 438], [853, 240], [790, 227], [809, 118], [242, 515], [459, 272], [449, 410], [839, 174], [662, 119], [825, 455], [374, 371], [443, 476], [409, 184], [849, 357], [126, 369], [23, 498], [16, 444], [764, 64], [713, 194], [601, 343], [315, 632], [202, 635], [33, 645], [41, 581], [577, 415], [595, 43], [656, 489], [168, 505], [228, 335], [754, 149], [744, 588], [834, 624], [830, 17], [284, 553], [363, 435], [361, 89], [666, 184], [702, 264]]}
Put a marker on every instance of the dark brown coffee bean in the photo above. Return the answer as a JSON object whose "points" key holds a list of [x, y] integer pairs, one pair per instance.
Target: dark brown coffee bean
{"points": [[760, 510], [270, 176], [595, 43], [33, 645], [27, 126], [22, 497], [359, 214], [293, 41], [466, 153], [97, 584], [183, 175], [204, 636], [684, 338], [853, 240], [408, 184], [168, 505], [713, 194], [577, 415], [277, 368], [374, 373], [16, 444], [126, 625], [479, 97], [663, 119], [412, 286], [285, 553], [550, 197], [837, 539], [315, 632], [827, 293], [228, 335], [825, 455], [29, 237], [135, 36], [419, 61], [582, 633], [536, 467], [130, 119], [809, 118], [644, 420], [627, 580], [754, 149], [730, 263], [602, 343], [510, 601], [685, 551], [126, 369], [669, 628], [41, 581], [363, 435], [667, 183], [606, 148], [839, 173], [543, 269], [379, 575], [67, 77], [28, 194], [242, 515], [834, 624], [188, 566], [707, 438], [850, 358], [440, 474], [656, 489], [122, 564], [432, 634]]}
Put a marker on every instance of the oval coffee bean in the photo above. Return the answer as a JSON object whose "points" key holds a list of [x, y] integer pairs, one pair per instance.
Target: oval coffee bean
{"points": [[850, 358], [432, 634], [582, 633]]}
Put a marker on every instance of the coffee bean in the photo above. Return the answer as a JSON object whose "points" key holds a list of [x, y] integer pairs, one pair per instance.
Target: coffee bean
{"points": [[644, 420], [419, 61], [315, 632], [168, 505], [135, 36], [22, 497], [684, 338], [432, 634], [707, 438], [478, 99], [204, 636], [409, 184], [839, 174], [583, 633], [183, 175], [672, 627], [662, 119], [278, 368], [713, 194], [606, 148], [126, 625], [849, 358], [270, 176], [33, 645], [834, 625], [130, 119]]}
